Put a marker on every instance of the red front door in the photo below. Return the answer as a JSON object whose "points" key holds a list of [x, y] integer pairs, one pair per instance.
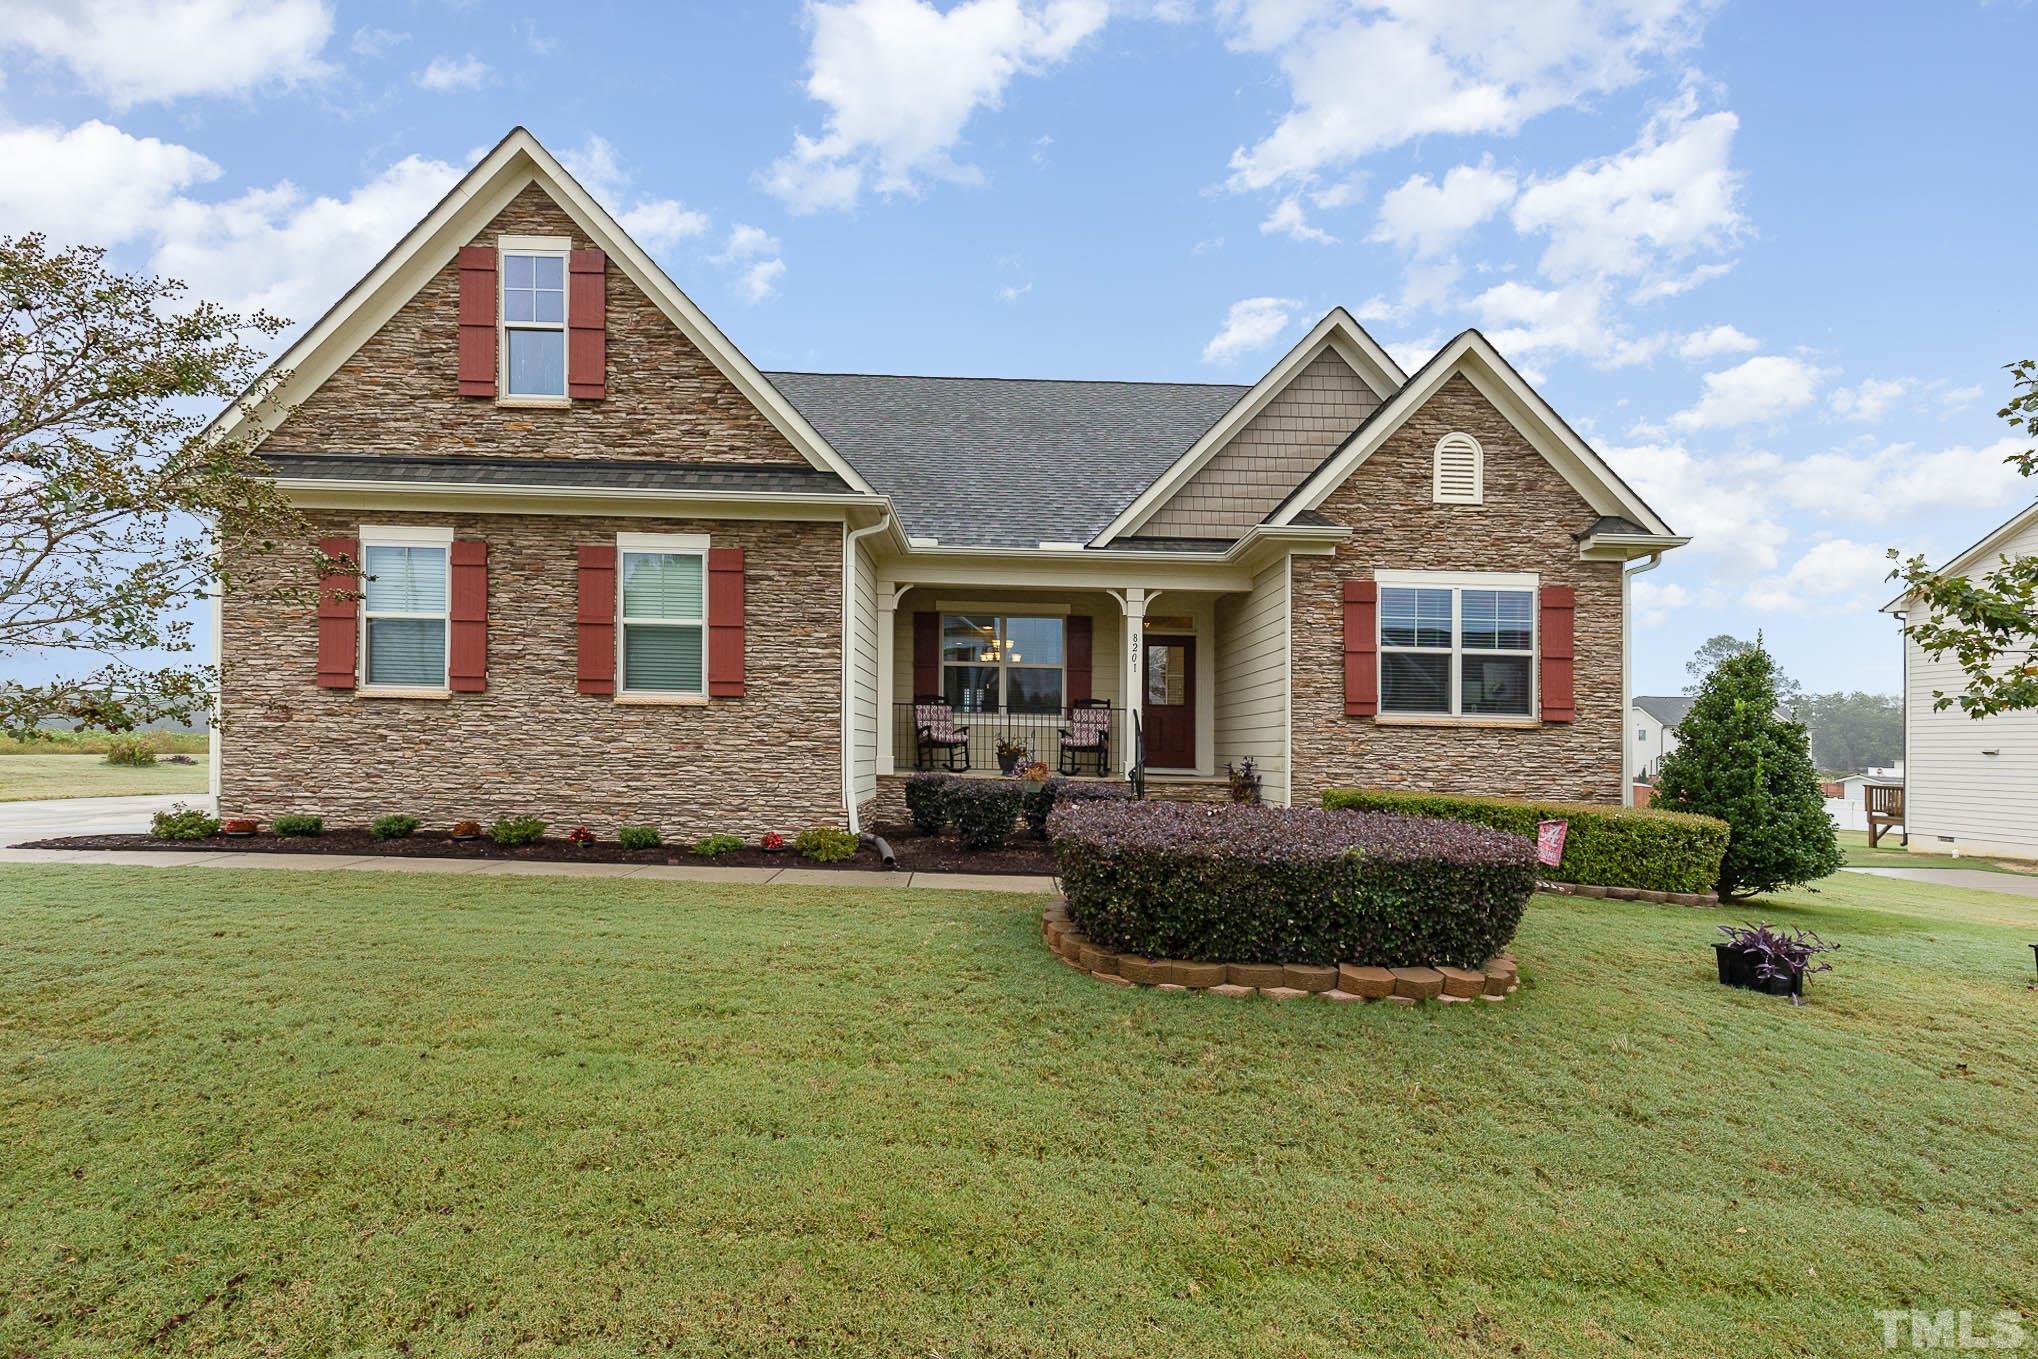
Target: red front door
{"points": [[1168, 714]]}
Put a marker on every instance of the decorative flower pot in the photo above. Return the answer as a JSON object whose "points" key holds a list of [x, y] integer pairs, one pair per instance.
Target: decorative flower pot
{"points": [[1739, 968], [239, 827], [1008, 764]]}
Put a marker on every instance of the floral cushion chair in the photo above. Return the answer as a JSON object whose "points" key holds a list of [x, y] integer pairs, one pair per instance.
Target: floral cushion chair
{"points": [[1087, 736], [937, 733]]}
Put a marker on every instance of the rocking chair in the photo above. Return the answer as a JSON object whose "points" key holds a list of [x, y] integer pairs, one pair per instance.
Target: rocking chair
{"points": [[1087, 736], [936, 733]]}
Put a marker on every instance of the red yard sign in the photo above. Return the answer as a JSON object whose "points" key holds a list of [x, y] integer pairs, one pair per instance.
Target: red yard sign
{"points": [[1550, 841]]}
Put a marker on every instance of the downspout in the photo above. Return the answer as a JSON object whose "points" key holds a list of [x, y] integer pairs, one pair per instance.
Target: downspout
{"points": [[850, 539], [1627, 680]]}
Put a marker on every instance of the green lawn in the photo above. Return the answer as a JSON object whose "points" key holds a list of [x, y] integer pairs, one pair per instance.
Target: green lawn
{"points": [[300, 1114], [1891, 854], [39, 776]]}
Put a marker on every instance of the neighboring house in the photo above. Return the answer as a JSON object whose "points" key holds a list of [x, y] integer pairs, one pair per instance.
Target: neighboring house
{"points": [[1847, 798], [615, 573], [1655, 719], [1969, 784]]}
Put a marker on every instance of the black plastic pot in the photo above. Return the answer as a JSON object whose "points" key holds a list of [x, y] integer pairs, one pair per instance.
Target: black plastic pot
{"points": [[1738, 968]]}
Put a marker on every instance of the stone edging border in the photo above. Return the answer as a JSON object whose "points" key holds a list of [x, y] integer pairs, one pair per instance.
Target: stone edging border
{"points": [[1276, 981], [1594, 890]]}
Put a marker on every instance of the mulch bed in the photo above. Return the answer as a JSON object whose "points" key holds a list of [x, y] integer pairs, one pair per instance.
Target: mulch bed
{"points": [[916, 853]]}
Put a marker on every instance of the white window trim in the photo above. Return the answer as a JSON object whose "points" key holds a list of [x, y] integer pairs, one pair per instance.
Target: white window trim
{"points": [[1436, 465], [561, 246], [1002, 612], [676, 544], [403, 535], [1457, 582]]}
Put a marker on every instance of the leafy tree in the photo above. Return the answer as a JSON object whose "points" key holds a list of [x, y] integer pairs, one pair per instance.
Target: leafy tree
{"points": [[1736, 759], [1990, 625], [1720, 646], [116, 510], [1854, 731]]}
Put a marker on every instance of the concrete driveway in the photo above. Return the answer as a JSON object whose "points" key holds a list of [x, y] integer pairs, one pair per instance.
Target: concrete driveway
{"points": [[1980, 879], [41, 820]]}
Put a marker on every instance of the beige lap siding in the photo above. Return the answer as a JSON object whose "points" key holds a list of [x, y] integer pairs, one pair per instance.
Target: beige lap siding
{"points": [[770, 760], [1526, 524], [399, 393]]}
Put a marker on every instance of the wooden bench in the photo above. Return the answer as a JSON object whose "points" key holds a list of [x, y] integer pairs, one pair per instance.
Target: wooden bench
{"points": [[1885, 806]]}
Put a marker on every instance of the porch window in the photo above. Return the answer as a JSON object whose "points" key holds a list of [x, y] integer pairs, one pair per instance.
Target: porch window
{"points": [[664, 621], [992, 661], [1451, 650]]}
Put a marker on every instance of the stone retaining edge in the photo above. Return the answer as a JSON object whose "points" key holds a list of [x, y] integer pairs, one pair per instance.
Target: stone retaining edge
{"points": [[1596, 892]]}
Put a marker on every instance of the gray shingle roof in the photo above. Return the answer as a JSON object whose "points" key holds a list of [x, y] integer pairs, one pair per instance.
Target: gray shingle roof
{"points": [[638, 475], [1668, 709], [1006, 462]]}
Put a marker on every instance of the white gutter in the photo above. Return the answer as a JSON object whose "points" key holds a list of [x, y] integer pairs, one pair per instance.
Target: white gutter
{"points": [[851, 538], [1627, 678]]}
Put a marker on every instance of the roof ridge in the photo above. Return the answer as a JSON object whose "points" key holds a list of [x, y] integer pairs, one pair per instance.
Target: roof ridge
{"points": [[968, 377]]}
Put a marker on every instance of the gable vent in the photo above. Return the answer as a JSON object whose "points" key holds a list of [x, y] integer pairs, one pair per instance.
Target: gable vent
{"points": [[1460, 477]]}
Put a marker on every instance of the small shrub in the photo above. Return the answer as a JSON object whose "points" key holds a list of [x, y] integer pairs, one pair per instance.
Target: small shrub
{"points": [[985, 811], [517, 830], [772, 842], [183, 823], [826, 844], [134, 752], [1779, 954], [1038, 802], [1257, 884], [639, 837], [299, 823], [395, 826], [580, 835], [927, 801], [466, 830], [1606, 845], [714, 846]]}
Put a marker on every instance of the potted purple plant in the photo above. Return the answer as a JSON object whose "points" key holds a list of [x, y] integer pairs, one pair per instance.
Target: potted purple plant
{"points": [[1773, 961]]}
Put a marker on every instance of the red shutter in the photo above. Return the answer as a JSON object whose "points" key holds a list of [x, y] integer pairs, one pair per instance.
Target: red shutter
{"points": [[1082, 633], [725, 622], [597, 620], [1362, 648], [468, 671], [477, 320], [926, 654], [338, 619], [587, 326], [1559, 610]]}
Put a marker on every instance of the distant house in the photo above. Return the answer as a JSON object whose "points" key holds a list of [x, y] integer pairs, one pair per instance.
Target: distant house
{"points": [[1846, 798], [1970, 784], [1653, 723]]}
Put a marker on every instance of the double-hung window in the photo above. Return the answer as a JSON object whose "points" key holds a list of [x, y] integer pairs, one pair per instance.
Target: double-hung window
{"points": [[405, 600], [534, 317], [1457, 646], [992, 661], [663, 605]]}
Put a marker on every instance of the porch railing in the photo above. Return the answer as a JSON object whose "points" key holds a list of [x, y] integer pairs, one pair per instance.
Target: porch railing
{"points": [[967, 739]]}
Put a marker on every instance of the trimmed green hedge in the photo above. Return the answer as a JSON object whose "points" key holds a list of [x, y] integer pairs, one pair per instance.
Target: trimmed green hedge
{"points": [[1255, 884], [1605, 846]]}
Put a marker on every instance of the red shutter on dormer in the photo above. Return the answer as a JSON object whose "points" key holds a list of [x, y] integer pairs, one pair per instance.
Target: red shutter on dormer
{"points": [[1557, 624], [1362, 648], [467, 670], [1081, 647], [725, 622], [926, 655], [477, 320], [338, 619], [587, 326], [597, 620]]}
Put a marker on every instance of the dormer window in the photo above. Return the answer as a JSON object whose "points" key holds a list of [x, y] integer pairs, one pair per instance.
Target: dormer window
{"points": [[1460, 472], [534, 318]]}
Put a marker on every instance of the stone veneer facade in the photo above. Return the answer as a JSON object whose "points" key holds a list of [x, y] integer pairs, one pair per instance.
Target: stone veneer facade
{"points": [[399, 393], [1526, 524], [533, 744]]}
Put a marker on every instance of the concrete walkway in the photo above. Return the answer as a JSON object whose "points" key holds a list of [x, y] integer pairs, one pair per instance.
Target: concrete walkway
{"points": [[1980, 879], [47, 817]]}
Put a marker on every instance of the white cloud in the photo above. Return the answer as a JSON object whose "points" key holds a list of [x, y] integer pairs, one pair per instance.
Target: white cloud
{"points": [[1707, 498], [1714, 342], [1664, 198], [1836, 575], [1868, 400], [453, 75], [92, 184], [1426, 217], [1523, 319], [1895, 481], [901, 80], [1676, 285], [1653, 602], [754, 251], [1288, 219], [375, 42], [747, 242], [1012, 292], [1251, 324], [661, 223], [140, 51], [1366, 77], [1760, 390], [760, 280], [655, 223]]}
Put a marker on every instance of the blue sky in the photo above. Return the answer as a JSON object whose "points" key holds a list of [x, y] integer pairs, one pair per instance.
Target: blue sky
{"points": [[1763, 256]]}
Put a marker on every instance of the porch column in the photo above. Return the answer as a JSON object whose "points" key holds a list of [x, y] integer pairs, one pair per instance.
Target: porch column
{"points": [[1135, 666], [888, 597]]}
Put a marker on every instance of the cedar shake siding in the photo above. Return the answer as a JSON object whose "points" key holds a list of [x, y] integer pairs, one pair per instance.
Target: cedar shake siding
{"points": [[1272, 455], [400, 391], [1527, 523], [530, 742]]}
